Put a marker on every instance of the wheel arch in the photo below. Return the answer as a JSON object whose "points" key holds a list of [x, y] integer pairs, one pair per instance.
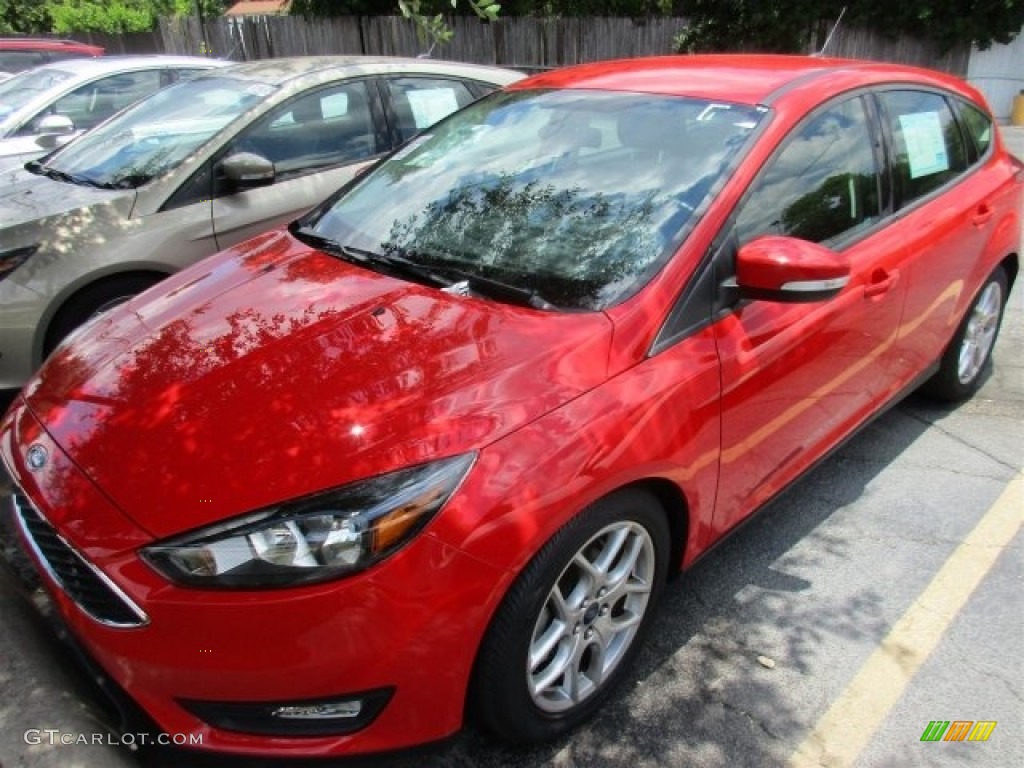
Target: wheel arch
{"points": [[672, 500], [1011, 265], [77, 289], [669, 499], [673, 503]]}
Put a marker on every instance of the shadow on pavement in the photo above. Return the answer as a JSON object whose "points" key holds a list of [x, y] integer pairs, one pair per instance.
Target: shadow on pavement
{"points": [[699, 673]]}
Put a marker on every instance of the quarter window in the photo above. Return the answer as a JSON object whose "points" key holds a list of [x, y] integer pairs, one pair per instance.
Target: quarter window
{"points": [[823, 185], [928, 149], [979, 127]]}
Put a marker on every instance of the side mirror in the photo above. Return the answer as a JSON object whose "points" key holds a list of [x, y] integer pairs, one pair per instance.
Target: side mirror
{"points": [[52, 128], [247, 170], [789, 270]]}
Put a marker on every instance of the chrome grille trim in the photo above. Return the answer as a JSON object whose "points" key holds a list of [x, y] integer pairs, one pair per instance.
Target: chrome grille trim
{"points": [[101, 589]]}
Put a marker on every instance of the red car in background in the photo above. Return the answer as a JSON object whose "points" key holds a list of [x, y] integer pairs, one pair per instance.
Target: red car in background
{"points": [[20, 53], [432, 451]]}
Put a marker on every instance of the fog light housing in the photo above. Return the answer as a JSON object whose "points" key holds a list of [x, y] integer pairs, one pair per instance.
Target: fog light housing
{"points": [[331, 716]]}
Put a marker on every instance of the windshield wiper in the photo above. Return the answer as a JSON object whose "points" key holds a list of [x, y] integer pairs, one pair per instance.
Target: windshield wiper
{"points": [[443, 275], [496, 289], [133, 181], [395, 265], [34, 166], [493, 289]]}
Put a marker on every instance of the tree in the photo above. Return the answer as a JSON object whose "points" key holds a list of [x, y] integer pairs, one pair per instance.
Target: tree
{"points": [[24, 17], [112, 16], [786, 26], [427, 15]]}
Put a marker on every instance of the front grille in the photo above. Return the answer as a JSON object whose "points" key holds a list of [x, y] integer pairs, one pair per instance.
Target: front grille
{"points": [[91, 590]]}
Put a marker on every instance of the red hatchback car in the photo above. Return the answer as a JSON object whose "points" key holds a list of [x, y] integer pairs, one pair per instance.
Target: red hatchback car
{"points": [[432, 451]]}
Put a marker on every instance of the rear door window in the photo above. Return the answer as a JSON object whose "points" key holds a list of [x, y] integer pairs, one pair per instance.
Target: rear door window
{"points": [[927, 149], [419, 102]]}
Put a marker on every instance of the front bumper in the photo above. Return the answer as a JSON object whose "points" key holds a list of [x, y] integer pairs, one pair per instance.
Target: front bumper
{"points": [[21, 312], [410, 626]]}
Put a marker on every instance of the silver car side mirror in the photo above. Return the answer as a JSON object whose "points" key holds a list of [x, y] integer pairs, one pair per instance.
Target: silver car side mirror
{"points": [[246, 170], [52, 128]]}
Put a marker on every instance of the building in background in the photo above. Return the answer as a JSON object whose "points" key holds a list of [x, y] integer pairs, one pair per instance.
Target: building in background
{"points": [[999, 73], [259, 8]]}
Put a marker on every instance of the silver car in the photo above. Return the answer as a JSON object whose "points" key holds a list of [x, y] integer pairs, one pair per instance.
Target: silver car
{"points": [[44, 107], [193, 169]]}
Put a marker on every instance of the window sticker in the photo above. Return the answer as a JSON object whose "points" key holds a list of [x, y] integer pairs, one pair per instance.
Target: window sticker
{"points": [[431, 104], [334, 105], [926, 146]]}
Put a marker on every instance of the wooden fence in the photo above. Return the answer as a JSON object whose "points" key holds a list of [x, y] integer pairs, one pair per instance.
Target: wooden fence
{"points": [[523, 42], [526, 42]]}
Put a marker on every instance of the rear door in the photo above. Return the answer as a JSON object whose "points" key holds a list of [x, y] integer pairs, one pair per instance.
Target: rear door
{"points": [[946, 215], [796, 378]]}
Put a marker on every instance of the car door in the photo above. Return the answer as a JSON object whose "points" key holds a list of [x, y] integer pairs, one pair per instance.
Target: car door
{"points": [[796, 378], [317, 141], [944, 215]]}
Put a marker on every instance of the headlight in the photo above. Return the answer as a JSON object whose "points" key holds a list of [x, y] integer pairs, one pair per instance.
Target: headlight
{"points": [[14, 258], [316, 538]]}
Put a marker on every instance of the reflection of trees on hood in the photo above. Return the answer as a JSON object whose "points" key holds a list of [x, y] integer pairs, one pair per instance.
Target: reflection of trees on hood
{"points": [[538, 234]]}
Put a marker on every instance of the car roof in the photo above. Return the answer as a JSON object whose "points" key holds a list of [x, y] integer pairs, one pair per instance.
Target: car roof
{"points": [[48, 44], [284, 70], [740, 78], [86, 68]]}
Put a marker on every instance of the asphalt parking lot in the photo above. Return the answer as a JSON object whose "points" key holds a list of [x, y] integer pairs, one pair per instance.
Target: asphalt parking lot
{"points": [[881, 593]]}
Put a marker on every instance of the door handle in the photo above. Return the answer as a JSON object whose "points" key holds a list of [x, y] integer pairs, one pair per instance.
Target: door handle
{"points": [[982, 215], [881, 282]]}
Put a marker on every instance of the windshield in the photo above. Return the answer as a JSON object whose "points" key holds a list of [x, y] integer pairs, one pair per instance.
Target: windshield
{"points": [[159, 132], [17, 91], [575, 196]]}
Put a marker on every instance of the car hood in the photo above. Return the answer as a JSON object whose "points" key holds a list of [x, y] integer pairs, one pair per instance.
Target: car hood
{"points": [[58, 214], [272, 370]]}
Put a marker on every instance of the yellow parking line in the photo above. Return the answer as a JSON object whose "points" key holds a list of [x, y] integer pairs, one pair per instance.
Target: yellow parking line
{"points": [[843, 732]]}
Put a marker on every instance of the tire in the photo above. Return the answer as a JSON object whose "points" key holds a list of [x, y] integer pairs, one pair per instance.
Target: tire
{"points": [[966, 358], [92, 300], [545, 664]]}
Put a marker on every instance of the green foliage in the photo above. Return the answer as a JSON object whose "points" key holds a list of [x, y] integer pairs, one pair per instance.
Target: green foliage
{"points": [[24, 17], [948, 22], [112, 16], [738, 25], [786, 26]]}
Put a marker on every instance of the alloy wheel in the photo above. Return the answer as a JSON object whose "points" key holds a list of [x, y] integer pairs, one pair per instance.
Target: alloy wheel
{"points": [[980, 333], [591, 617]]}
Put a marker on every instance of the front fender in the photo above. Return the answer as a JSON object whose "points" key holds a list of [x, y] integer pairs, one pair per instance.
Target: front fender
{"points": [[656, 420]]}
